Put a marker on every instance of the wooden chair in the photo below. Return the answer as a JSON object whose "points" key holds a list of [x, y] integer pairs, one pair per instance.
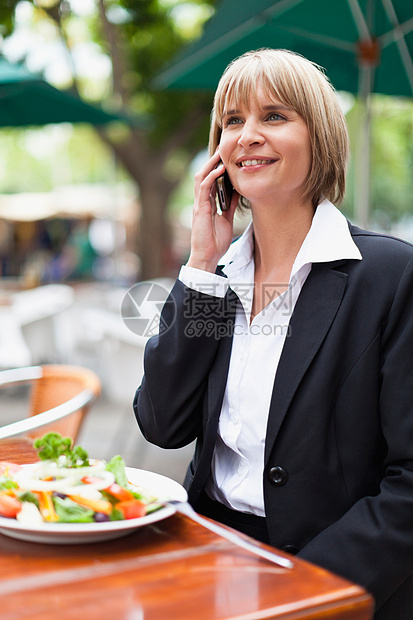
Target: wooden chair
{"points": [[59, 399]]}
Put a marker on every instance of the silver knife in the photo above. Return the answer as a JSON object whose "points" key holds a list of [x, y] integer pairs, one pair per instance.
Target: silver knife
{"points": [[186, 509]]}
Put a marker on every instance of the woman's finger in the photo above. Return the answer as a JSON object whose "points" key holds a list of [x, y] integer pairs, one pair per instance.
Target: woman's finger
{"points": [[211, 164], [205, 185]]}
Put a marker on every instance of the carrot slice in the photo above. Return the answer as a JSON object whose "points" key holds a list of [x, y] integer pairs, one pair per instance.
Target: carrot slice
{"points": [[97, 505]]}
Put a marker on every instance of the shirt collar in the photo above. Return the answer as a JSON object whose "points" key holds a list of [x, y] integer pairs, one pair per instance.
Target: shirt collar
{"points": [[239, 253], [328, 240]]}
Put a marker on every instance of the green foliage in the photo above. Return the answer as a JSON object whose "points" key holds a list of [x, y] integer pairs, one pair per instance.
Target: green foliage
{"points": [[148, 36], [149, 40], [391, 159], [142, 37], [51, 156], [139, 37], [7, 8]]}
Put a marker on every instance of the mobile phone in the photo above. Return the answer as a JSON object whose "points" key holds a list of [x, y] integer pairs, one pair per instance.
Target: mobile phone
{"points": [[224, 191]]}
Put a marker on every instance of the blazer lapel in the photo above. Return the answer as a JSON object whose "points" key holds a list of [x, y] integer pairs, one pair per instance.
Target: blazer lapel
{"points": [[217, 380], [218, 374], [314, 312]]}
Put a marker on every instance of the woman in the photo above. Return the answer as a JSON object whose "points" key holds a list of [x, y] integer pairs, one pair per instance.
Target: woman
{"points": [[287, 354]]}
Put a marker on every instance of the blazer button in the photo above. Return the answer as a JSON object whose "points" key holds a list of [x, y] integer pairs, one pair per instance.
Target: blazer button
{"points": [[278, 476], [290, 549]]}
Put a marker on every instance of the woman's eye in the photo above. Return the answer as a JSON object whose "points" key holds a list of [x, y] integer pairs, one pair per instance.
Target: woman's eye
{"points": [[232, 120], [274, 116]]}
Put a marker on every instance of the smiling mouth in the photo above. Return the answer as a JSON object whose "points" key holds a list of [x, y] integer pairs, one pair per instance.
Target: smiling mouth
{"points": [[254, 162]]}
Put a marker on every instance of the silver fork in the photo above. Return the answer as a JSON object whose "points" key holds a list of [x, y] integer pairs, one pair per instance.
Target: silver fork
{"points": [[186, 509]]}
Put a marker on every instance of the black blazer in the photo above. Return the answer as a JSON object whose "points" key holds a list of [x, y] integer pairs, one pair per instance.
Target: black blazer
{"points": [[338, 475]]}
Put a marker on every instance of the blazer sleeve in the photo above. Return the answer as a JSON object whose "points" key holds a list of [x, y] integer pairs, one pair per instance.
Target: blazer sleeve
{"points": [[177, 362], [372, 544]]}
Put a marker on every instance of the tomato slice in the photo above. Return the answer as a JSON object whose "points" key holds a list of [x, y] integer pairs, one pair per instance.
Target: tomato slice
{"points": [[9, 506], [132, 509], [8, 469], [91, 479]]}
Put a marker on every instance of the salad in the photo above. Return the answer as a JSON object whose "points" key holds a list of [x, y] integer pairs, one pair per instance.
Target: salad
{"points": [[65, 486]]}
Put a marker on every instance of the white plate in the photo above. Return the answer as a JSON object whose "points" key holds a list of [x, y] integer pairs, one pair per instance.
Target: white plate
{"points": [[73, 533]]}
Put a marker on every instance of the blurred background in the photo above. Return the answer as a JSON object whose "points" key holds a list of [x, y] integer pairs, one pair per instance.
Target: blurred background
{"points": [[97, 155]]}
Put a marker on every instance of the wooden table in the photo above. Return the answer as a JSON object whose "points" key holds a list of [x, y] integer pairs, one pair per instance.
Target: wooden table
{"points": [[171, 570]]}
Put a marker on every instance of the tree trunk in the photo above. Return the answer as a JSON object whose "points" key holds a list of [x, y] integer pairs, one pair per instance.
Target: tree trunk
{"points": [[145, 166], [154, 243]]}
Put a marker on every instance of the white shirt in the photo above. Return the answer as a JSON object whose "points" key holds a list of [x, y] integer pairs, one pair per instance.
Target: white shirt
{"points": [[238, 461]]}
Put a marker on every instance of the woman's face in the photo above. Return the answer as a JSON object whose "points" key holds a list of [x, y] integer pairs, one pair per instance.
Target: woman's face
{"points": [[266, 149]]}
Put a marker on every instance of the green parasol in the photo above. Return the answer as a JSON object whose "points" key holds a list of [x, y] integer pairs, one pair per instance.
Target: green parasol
{"points": [[26, 99]]}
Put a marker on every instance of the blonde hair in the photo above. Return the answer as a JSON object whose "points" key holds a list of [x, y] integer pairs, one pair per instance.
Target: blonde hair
{"points": [[301, 85]]}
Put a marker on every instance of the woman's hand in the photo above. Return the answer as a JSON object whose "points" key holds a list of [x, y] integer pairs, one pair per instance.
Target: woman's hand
{"points": [[211, 232]]}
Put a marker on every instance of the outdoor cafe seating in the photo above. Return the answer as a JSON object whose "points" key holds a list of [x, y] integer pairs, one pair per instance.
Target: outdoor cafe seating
{"points": [[60, 398], [167, 566]]}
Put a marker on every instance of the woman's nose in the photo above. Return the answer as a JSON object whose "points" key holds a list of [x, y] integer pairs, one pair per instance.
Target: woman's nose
{"points": [[250, 134]]}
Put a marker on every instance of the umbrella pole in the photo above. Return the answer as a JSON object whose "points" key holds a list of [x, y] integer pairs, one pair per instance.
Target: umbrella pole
{"points": [[362, 171], [368, 59]]}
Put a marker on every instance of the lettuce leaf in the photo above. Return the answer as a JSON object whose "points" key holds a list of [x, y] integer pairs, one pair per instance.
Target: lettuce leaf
{"points": [[6, 484], [70, 512], [28, 496], [116, 466]]}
